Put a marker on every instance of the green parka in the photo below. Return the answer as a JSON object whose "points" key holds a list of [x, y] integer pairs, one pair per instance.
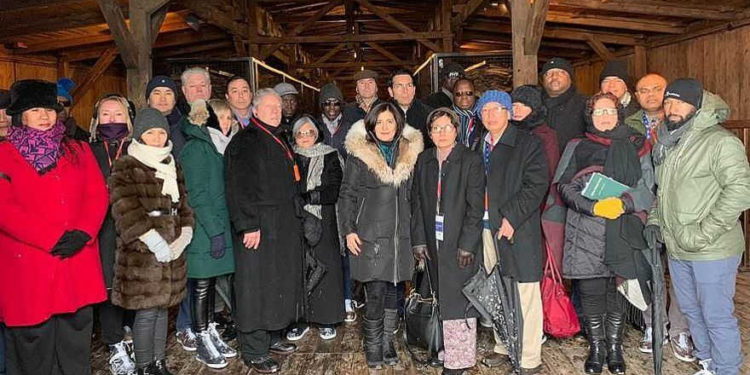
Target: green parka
{"points": [[203, 167], [703, 187]]}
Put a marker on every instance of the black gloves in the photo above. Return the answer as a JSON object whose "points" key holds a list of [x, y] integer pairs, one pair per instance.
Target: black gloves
{"points": [[311, 197], [313, 228], [652, 235], [218, 246], [70, 243], [464, 258]]}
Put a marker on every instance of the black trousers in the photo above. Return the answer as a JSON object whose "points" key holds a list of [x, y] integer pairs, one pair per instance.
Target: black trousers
{"points": [[599, 296], [202, 297], [255, 344], [380, 295], [111, 318], [59, 346]]}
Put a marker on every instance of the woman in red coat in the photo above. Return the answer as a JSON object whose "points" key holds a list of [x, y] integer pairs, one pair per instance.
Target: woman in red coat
{"points": [[53, 200]]}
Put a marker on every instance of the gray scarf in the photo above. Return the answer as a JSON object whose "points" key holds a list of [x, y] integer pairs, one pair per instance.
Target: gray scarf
{"points": [[317, 155], [666, 139]]}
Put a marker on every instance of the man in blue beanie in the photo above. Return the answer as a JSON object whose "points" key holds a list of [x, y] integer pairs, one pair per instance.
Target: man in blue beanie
{"points": [[65, 98], [517, 182]]}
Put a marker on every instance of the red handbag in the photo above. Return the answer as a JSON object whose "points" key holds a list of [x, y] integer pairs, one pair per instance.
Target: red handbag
{"points": [[560, 318]]}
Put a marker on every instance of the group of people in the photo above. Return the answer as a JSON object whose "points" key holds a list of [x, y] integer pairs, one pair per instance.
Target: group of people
{"points": [[278, 213]]}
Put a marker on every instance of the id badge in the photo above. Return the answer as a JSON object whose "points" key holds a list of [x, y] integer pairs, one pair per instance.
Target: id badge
{"points": [[439, 227]]}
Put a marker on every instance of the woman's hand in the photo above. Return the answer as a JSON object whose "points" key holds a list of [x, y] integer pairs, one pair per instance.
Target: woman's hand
{"points": [[353, 242], [251, 240], [465, 258]]}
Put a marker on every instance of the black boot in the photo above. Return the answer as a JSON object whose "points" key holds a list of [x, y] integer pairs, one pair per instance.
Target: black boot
{"points": [[597, 344], [390, 324], [615, 326], [373, 342], [161, 365], [150, 369]]}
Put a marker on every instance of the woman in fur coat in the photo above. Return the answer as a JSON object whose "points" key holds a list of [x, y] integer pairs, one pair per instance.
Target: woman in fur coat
{"points": [[154, 225], [374, 216]]}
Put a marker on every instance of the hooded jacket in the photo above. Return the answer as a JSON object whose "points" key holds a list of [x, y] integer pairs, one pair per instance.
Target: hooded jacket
{"points": [[703, 187], [374, 203]]}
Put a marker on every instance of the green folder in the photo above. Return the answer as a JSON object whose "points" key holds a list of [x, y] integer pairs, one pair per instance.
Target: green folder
{"points": [[601, 187]]}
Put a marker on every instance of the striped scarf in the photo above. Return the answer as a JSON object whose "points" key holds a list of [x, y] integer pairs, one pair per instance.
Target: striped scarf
{"points": [[467, 121]]}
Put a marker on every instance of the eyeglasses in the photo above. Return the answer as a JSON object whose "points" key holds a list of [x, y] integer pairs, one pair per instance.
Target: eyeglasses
{"points": [[64, 103], [604, 111], [487, 110], [306, 133], [441, 129], [332, 103], [464, 93]]}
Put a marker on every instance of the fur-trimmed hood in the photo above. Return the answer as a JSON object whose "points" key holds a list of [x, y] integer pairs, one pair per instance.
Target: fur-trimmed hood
{"points": [[410, 144]]}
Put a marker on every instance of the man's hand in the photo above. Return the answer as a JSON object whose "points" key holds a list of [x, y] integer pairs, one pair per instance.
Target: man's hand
{"points": [[353, 242], [506, 230], [251, 240]]}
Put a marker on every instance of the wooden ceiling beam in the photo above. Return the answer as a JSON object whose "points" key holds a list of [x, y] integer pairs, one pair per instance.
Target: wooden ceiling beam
{"points": [[200, 48], [301, 27], [120, 32], [653, 8], [615, 22], [397, 24], [351, 38], [355, 64], [560, 33], [333, 51], [103, 63], [600, 49], [29, 5]]}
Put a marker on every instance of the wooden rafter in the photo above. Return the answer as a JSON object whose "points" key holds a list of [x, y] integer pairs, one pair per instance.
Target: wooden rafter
{"points": [[356, 64], [333, 51], [385, 52], [352, 38], [396, 23], [561, 33], [301, 27], [102, 64], [653, 8], [600, 49]]}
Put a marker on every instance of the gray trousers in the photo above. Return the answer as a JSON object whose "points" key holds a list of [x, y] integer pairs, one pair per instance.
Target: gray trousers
{"points": [[705, 290], [149, 336]]}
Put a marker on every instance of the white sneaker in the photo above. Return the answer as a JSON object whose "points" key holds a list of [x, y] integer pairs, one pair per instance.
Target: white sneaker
{"points": [[120, 362], [705, 363], [646, 345], [298, 332], [223, 348], [187, 339], [327, 333]]}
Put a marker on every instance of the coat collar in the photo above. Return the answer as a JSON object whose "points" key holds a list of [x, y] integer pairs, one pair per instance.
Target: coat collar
{"points": [[509, 136], [409, 146]]}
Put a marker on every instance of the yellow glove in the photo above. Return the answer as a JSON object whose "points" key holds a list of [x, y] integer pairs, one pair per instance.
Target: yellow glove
{"points": [[609, 208]]}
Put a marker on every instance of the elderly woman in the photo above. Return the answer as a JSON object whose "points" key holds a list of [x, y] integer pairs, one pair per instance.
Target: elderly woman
{"points": [[320, 166], [374, 216], [447, 208], [603, 237], [53, 200], [209, 255], [111, 130], [154, 226]]}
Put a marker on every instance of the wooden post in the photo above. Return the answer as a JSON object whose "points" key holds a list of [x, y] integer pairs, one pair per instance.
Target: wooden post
{"points": [[641, 61], [446, 6], [63, 68], [252, 27], [136, 40], [527, 24]]}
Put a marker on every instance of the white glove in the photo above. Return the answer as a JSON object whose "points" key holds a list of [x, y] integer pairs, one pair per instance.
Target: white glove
{"points": [[178, 246], [198, 112], [157, 245]]}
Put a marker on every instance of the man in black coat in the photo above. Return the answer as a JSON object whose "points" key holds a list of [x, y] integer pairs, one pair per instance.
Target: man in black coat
{"points": [[263, 202], [565, 106], [331, 120], [451, 73], [367, 96], [402, 90], [517, 182]]}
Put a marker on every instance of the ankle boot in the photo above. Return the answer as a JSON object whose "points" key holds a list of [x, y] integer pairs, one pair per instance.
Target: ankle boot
{"points": [[390, 324], [615, 326], [597, 344], [150, 369], [373, 342]]}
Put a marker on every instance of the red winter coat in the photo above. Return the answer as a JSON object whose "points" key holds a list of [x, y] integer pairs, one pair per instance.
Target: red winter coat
{"points": [[34, 212]]}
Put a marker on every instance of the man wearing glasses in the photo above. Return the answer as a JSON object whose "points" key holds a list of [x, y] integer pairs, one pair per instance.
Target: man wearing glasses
{"points": [[451, 73], [402, 90], [464, 101], [334, 126]]}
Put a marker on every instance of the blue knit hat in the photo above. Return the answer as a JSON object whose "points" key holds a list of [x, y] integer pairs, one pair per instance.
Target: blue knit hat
{"points": [[65, 88], [497, 96]]}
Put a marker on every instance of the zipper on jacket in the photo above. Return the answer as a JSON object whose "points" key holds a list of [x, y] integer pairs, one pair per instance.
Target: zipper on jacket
{"points": [[395, 242], [359, 212]]}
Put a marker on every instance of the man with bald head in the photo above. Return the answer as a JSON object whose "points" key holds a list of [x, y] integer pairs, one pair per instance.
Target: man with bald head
{"points": [[649, 91]]}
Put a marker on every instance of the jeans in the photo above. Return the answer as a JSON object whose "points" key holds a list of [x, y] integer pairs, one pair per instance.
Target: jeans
{"points": [[184, 315], [149, 336], [705, 291], [348, 285]]}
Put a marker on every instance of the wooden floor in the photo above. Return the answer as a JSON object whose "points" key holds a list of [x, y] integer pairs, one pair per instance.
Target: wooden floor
{"points": [[343, 355]]}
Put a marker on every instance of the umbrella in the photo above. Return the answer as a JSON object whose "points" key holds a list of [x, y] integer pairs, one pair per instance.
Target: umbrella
{"points": [[496, 297], [658, 294]]}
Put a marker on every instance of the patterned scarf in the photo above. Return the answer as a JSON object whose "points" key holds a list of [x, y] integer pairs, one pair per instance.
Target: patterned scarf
{"points": [[41, 148], [317, 155], [666, 139], [365, 104], [467, 120]]}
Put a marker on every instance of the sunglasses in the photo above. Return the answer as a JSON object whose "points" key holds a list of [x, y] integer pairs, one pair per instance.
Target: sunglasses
{"points": [[464, 93], [604, 111], [332, 103]]}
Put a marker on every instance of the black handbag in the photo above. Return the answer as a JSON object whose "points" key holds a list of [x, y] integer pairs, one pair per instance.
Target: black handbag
{"points": [[423, 327]]}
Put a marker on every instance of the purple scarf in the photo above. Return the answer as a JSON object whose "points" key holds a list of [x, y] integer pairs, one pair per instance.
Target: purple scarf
{"points": [[41, 148]]}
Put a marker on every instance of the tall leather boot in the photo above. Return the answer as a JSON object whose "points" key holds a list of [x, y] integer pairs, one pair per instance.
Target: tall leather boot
{"points": [[390, 323], [373, 342], [615, 326], [595, 334]]}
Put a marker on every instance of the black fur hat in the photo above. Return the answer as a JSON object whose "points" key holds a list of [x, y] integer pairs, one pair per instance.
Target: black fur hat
{"points": [[32, 93]]}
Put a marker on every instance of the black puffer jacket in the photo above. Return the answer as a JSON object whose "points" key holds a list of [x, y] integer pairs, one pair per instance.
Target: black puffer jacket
{"points": [[374, 202]]}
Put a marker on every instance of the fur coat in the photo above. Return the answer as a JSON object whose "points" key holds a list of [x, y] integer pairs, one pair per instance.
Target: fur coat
{"points": [[374, 202], [140, 281]]}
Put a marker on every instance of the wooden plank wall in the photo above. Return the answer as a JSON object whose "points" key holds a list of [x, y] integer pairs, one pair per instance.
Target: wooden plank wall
{"points": [[719, 60], [13, 69]]}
